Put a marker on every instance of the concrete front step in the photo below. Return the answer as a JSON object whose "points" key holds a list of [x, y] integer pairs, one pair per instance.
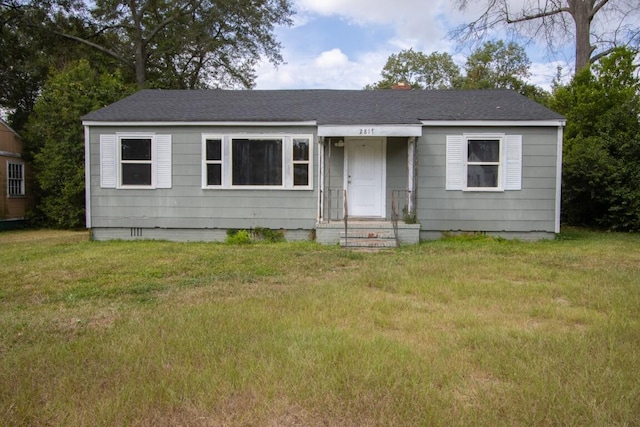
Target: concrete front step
{"points": [[369, 234], [374, 238], [333, 232], [367, 243]]}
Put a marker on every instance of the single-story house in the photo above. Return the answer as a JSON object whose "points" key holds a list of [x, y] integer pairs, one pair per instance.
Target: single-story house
{"points": [[15, 197], [192, 164]]}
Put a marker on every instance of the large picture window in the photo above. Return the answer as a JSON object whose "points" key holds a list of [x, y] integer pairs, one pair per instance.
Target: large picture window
{"points": [[256, 161], [269, 161], [15, 179]]}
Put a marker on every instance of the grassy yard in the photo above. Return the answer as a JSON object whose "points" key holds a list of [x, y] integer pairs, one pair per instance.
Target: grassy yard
{"points": [[464, 331]]}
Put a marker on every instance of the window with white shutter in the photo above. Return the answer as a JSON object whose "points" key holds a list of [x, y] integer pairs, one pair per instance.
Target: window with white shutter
{"points": [[484, 162], [135, 161]]}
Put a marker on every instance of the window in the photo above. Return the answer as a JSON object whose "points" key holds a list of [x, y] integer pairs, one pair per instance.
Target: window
{"points": [[256, 161], [15, 179], [213, 161], [300, 161], [484, 162], [269, 161], [134, 161]]}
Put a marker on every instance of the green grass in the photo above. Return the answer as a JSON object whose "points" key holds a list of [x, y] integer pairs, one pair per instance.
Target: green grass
{"points": [[462, 331]]}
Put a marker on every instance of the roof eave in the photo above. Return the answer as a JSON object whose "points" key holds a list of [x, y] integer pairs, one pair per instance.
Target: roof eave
{"points": [[115, 123], [501, 123]]}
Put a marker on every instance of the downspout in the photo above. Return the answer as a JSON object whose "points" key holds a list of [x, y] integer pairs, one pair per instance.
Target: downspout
{"points": [[559, 178]]}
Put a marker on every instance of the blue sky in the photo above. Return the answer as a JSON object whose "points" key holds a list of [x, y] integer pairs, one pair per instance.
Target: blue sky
{"points": [[343, 44]]}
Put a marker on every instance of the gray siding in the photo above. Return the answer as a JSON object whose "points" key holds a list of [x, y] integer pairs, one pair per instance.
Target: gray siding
{"points": [[187, 205], [531, 209], [180, 212]]}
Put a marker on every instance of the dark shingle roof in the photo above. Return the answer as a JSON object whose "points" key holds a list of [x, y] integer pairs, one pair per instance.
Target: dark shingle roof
{"points": [[335, 107]]}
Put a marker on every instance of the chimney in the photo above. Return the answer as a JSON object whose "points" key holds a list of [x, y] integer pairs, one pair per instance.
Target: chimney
{"points": [[401, 86]]}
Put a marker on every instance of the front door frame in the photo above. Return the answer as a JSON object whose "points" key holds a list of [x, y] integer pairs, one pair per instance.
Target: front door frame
{"points": [[383, 166]]}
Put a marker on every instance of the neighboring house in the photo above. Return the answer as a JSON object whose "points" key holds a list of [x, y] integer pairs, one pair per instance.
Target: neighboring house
{"points": [[189, 165], [15, 198]]}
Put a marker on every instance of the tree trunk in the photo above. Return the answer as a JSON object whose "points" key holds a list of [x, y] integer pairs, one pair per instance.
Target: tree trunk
{"points": [[141, 54], [581, 12]]}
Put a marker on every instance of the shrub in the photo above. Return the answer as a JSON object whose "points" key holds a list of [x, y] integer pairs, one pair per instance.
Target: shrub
{"points": [[238, 237]]}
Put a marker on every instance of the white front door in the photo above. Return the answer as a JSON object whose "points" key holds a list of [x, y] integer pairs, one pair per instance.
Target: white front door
{"points": [[365, 177]]}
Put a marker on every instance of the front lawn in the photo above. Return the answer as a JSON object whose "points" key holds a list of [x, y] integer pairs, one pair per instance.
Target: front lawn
{"points": [[462, 331]]}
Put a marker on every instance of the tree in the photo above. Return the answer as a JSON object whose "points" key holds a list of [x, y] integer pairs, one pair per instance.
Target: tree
{"points": [[188, 43], [28, 53], [434, 71], [587, 24], [156, 43], [601, 167], [497, 66], [55, 140], [494, 65]]}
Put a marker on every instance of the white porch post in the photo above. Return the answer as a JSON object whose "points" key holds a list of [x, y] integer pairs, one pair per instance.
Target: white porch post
{"points": [[321, 143], [411, 168]]}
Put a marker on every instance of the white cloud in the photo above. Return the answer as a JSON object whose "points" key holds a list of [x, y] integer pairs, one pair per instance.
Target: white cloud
{"points": [[414, 21], [329, 70], [333, 58]]}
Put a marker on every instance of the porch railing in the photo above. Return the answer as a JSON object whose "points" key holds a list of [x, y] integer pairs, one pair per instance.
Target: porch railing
{"points": [[405, 205], [395, 215], [334, 204], [346, 219], [406, 214]]}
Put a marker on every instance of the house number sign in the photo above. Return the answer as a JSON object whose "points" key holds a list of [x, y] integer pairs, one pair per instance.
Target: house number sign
{"points": [[370, 130]]}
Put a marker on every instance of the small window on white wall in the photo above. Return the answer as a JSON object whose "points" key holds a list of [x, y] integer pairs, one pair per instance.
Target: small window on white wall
{"points": [[484, 162]]}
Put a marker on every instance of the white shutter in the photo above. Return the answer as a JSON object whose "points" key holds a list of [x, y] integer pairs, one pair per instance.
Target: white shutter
{"points": [[108, 161], [513, 162], [163, 161], [455, 173]]}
